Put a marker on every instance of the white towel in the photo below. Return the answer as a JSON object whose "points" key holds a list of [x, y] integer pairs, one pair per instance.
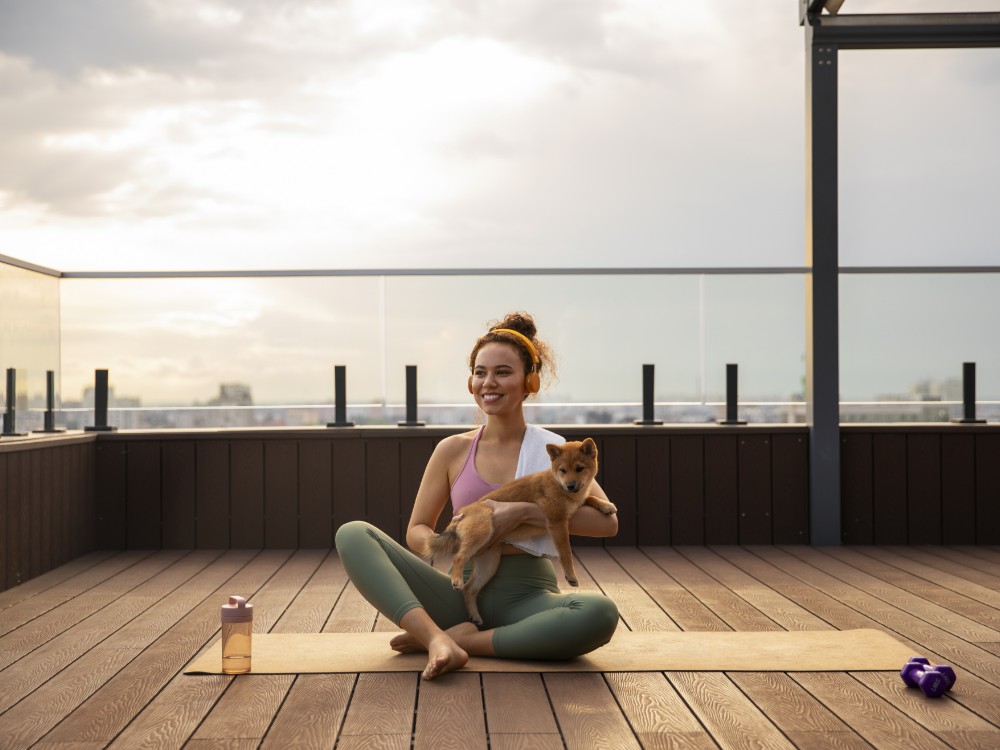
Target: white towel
{"points": [[533, 458]]}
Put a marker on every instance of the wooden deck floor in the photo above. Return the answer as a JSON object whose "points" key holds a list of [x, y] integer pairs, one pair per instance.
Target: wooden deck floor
{"points": [[91, 655]]}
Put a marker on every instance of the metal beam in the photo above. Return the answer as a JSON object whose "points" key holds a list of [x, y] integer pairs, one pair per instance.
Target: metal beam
{"points": [[907, 30], [822, 292]]}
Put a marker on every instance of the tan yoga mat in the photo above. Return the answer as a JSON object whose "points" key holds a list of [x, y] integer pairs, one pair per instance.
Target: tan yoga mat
{"points": [[770, 651]]}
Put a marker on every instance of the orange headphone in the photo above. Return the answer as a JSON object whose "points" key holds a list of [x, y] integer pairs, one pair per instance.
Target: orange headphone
{"points": [[532, 383]]}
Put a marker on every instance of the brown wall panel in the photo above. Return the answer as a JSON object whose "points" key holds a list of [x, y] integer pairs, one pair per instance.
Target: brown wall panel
{"points": [[722, 490], [618, 458], [348, 481], [144, 514], [856, 509], [179, 502], [687, 490], [382, 501], [889, 523], [36, 512], [212, 477], [958, 488], [110, 492], [754, 458], [790, 488], [246, 505], [652, 491], [281, 494], [315, 494], [5, 502], [923, 488], [414, 454], [988, 488]]}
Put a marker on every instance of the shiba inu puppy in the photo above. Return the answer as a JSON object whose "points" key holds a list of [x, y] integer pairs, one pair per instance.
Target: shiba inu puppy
{"points": [[559, 492]]}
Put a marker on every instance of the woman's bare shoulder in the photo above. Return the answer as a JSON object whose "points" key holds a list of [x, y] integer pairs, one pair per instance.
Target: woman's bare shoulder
{"points": [[455, 445]]}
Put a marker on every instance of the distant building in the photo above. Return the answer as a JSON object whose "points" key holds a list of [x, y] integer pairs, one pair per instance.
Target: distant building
{"points": [[233, 394]]}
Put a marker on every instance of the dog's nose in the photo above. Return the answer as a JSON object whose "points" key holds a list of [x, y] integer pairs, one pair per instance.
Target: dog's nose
{"points": [[572, 486]]}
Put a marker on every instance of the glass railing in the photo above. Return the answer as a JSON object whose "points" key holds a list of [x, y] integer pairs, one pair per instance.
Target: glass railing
{"points": [[247, 351]]}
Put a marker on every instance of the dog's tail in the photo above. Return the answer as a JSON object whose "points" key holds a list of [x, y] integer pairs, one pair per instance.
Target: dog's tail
{"points": [[447, 542]]}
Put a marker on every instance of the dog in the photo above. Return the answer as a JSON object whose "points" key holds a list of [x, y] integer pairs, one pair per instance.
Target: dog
{"points": [[559, 491]]}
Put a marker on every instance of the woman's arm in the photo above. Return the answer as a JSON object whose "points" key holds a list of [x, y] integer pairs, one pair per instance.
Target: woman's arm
{"points": [[431, 497]]}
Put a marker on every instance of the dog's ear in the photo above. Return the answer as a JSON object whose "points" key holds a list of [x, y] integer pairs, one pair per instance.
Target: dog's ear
{"points": [[589, 447], [553, 450]]}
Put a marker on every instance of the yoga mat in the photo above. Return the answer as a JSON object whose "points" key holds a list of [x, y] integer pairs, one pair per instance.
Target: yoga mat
{"points": [[771, 651]]}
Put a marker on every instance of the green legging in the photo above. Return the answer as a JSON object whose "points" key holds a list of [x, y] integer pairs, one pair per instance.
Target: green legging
{"points": [[530, 617]]}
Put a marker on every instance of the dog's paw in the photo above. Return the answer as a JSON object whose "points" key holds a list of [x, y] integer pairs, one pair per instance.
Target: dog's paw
{"points": [[572, 581], [458, 585], [608, 508]]}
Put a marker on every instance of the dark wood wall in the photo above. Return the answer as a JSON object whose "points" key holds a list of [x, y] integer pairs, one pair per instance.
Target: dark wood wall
{"points": [[46, 505], [920, 484], [677, 485]]}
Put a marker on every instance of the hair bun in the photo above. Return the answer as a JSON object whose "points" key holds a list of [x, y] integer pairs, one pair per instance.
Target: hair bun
{"points": [[521, 322]]}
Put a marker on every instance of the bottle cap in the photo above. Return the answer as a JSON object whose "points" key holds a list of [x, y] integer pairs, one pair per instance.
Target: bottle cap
{"points": [[237, 610]]}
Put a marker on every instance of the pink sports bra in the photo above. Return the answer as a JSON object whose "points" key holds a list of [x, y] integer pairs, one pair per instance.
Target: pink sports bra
{"points": [[469, 486]]}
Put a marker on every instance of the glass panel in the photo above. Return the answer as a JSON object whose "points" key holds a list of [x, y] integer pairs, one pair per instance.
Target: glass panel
{"points": [[918, 157], [905, 337], [29, 340]]}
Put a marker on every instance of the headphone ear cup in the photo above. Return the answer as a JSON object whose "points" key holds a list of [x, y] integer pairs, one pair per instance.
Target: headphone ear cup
{"points": [[470, 384], [532, 383]]}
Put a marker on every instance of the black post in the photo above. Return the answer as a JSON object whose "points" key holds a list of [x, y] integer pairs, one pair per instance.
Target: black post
{"points": [[339, 398], [647, 397], [969, 395], [9, 416], [49, 424], [732, 400], [411, 398], [100, 403]]}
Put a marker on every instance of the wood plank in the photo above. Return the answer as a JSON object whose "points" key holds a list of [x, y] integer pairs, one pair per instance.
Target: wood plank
{"points": [[312, 713], [652, 491], [684, 611], [958, 488], [450, 714], [687, 490], [856, 487], [517, 704], [348, 481], [382, 497], [281, 494], [874, 719], [247, 482], [526, 742], [889, 518], [733, 720], [587, 713], [51, 579], [722, 487], [635, 606], [382, 705], [618, 460], [212, 478], [656, 713], [754, 462], [987, 488], [143, 512], [179, 494], [790, 488], [787, 704], [923, 488], [315, 494]]}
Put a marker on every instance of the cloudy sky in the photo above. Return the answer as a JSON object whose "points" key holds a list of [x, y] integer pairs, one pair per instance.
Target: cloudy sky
{"points": [[337, 134]]}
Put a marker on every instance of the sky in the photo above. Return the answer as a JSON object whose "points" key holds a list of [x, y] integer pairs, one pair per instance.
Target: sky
{"points": [[329, 134]]}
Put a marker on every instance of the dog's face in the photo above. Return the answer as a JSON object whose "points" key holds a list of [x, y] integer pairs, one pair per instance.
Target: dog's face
{"points": [[574, 464]]}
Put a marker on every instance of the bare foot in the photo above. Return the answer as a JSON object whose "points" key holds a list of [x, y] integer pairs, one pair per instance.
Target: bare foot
{"points": [[405, 643], [443, 655]]}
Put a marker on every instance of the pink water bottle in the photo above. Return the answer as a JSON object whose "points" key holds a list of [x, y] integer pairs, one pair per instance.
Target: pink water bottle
{"points": [[237, 630]]}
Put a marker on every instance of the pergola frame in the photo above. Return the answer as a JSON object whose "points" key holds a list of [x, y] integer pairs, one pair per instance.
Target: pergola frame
{"points": [[825, 36]]}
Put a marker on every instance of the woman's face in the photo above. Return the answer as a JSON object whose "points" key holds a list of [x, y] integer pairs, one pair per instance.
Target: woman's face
{"points": [[498, 378]]}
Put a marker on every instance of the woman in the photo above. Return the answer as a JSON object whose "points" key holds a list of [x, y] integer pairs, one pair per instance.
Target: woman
{"points": [[526, 617]]}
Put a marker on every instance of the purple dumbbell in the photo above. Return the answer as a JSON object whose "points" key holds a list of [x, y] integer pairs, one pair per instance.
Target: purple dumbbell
{"points": [[933, 680]]}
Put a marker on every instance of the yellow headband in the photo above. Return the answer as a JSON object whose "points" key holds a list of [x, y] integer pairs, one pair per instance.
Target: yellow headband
{"points": [[527, 343]]}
